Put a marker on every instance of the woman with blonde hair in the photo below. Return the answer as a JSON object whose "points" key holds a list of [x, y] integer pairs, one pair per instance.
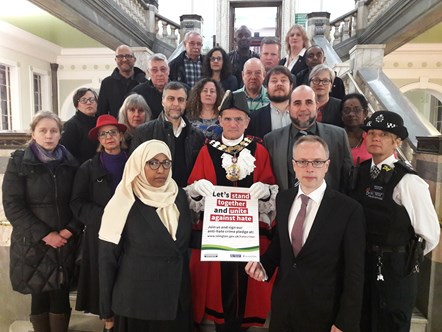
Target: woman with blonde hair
{"points": [[296, 43], [133, 113], [144, 241], [36, 191]]}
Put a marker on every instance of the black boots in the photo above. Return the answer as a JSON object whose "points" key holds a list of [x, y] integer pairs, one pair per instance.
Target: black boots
{"points": [[40, 322], [59, 322]]}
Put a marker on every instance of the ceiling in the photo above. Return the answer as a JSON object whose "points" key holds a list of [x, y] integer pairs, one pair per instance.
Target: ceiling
{"points": [[30, 18]]}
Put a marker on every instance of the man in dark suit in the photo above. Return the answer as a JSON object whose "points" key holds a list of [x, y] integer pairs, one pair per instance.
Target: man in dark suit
{"points": [[276, 114], [319, 248], [279, 142]]}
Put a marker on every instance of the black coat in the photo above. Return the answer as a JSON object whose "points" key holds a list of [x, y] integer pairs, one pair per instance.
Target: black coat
{"points": [[114, 89], [146, 276], [74, 136], [91, 191], [299, 65], [36, 202], [162, 130], [152, 96], [178, 71]]}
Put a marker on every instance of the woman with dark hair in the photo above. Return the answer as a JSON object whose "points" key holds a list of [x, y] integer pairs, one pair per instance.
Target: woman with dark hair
{"points": [[216, 65], [94, 185], [296, 43], [133, 113], [144, 242], [36, 191], [202, 107], [74, 136], [354, 111]]}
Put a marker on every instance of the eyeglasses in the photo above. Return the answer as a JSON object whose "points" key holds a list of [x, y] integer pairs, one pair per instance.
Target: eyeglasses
{"points": [[87, 100], [124, 56], [162, 70], [317, 81], [155, 164], [193, 44], [111, 133], [216, 58], [348, 110], [315, 163]]}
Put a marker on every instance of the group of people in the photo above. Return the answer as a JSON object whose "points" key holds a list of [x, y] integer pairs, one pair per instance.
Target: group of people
{"points": [[111, 203]]}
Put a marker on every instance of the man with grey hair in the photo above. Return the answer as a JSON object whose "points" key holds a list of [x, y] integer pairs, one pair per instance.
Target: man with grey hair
{"points": [[186, 67], [152, 90], [124, 78]]}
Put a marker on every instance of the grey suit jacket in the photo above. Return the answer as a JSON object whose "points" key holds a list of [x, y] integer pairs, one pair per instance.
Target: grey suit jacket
{"points": [[341, 162]]}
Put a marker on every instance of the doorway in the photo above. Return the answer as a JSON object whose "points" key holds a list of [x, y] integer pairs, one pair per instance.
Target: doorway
{"points": [[263, 19]]}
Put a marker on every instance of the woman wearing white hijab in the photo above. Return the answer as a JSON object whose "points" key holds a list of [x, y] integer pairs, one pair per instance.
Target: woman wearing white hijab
{"points": [[144, 238]]}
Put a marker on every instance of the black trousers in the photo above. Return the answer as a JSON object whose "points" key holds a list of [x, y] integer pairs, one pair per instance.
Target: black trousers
{"points": [[56, 302], [388, 304]]}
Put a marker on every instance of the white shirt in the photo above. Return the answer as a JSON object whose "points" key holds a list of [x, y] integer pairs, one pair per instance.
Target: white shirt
{"points": [[279, 118], [177, 132], [412, 193], [312, 208], [295, 59]]}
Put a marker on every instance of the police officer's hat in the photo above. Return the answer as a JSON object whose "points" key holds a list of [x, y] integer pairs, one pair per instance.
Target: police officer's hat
{"points": [[387, 121], [237, 100]]}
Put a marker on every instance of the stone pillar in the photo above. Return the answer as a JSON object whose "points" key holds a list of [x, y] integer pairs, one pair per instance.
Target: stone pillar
{"points": [[318, 24], [428, 163], [362, 16], [190, 22], [54, 86], [366, 56], [142, 54]]}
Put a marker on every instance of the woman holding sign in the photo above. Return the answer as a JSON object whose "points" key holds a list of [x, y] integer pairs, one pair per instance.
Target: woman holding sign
{"points": [[144, 239], [221, 291]]}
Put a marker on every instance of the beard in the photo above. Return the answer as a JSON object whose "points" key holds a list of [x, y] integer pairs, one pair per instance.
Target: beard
{"points": [[279, 99], [303, 124]]}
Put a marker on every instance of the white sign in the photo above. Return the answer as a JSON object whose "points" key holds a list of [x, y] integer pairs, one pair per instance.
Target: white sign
{"points": [[230, 226]]}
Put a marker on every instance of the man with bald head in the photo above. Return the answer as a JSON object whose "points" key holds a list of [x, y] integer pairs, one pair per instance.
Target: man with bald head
{"points": [[253, 76], [279, 142], [186, 67], [123, 79]]}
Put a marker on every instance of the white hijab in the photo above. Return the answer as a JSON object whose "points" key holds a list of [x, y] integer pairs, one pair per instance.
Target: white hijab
{"points": [[134, 183]]}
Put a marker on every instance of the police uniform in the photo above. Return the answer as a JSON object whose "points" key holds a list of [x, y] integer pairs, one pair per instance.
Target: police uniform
{"points": [[401, 226]]}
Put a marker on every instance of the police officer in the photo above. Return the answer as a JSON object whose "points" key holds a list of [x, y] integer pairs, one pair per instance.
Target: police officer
{"points": [[402, 226]]}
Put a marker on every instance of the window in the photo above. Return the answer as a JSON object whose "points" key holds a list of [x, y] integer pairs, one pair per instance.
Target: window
{"points": [[37, 93], [438, 115], [5, 97]]}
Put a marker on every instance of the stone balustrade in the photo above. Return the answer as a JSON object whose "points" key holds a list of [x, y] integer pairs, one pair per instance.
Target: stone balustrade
{"points": [[167, 30], [344, 27], [365, 13]]}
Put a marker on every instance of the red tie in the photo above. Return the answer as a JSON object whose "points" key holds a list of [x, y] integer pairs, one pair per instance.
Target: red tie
{"points": [[298, 227]]}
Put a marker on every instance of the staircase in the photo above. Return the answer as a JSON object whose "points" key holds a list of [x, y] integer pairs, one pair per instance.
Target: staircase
{"points": [[90, 323]]}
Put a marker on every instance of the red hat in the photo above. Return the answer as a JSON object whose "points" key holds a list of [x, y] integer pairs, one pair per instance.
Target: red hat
{"points": [[105, 120]]}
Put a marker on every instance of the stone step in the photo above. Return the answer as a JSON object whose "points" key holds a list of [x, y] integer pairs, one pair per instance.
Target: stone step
{"points": [[90, 323]]}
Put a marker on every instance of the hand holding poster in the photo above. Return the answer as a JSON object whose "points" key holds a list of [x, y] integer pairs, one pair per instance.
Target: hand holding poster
{"points": [[230, 226]]}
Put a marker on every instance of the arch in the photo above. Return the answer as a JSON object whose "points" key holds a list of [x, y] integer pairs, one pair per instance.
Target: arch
{"points": [[432, 88], [67, 109]]}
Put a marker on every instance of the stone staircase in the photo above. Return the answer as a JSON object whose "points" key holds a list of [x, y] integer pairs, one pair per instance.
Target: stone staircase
{"points": [[90, 323]]}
